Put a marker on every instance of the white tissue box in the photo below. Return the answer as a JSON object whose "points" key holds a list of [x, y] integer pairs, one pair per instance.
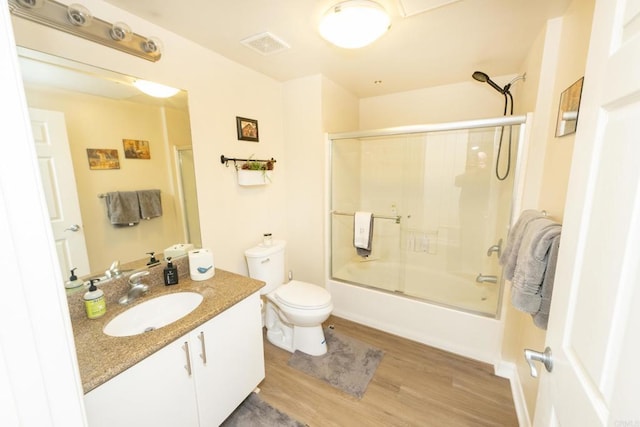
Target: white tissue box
{"points": [[201, 264], [178, 250]]}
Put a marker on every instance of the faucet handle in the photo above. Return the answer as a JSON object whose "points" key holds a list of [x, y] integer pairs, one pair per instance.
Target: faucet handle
{"points": [[135, 278]]}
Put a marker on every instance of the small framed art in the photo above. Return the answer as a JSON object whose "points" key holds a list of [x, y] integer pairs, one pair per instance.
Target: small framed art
{"points": [[247, 129]]}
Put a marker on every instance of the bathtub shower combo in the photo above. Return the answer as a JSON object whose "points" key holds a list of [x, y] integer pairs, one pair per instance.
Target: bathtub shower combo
{"points": [[442, 205]]}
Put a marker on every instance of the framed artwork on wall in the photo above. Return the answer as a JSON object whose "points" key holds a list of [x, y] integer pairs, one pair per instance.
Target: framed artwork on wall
{"points": [[136, 149], [569, 107], [247, 129], [103, 158]]}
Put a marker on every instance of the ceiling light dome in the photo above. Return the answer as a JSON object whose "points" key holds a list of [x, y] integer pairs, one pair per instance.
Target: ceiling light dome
{"points": [[155, 89], [354, 23]]}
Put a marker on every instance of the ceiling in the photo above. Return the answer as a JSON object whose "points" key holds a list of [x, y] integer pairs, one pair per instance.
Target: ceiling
{"points": [[423, 47]]}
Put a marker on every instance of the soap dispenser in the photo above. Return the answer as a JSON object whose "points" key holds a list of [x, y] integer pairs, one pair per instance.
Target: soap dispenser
{"points": [[170, 273], [73, 281], [94, 302]]}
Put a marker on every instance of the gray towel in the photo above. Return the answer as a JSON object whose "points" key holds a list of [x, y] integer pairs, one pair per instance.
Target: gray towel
{"points": [[123, 207], [532, 263], [541, 318], [150, 203], [510, 253], [359, 219]]}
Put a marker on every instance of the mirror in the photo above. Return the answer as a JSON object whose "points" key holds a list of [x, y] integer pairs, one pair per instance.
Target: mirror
{"points": [[143, 143], [567, 121]]}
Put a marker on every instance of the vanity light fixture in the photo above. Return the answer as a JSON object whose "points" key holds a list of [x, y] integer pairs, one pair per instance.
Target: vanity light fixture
{"points": [[353, 24], [77, 20], [154, 89]]}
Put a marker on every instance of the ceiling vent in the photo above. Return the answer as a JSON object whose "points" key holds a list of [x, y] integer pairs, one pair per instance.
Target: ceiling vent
{"points": [[414, 7], [265, 43]]}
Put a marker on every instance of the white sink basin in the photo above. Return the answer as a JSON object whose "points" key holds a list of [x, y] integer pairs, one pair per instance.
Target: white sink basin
{"points": [[153, 314]]}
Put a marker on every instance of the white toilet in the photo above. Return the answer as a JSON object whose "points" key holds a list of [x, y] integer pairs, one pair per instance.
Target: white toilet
{"points": [[294, 311]]}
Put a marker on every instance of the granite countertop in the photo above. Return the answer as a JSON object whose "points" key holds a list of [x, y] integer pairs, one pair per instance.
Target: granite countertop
{"points": [[102, 357]]}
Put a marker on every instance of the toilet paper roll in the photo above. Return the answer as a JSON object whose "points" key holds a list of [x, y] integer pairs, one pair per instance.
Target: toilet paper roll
{"points": [[201, 264]]}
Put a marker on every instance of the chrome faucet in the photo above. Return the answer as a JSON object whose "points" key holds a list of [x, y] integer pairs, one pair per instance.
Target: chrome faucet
{"points": [[486, 278], [497, 248], [114, 270], [136, 289]]}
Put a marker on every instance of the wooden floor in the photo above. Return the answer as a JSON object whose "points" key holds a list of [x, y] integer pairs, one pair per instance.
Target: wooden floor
{"points": [[414, 385]]}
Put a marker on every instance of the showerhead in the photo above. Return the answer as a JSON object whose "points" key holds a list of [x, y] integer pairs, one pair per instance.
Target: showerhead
{"points": [[484, 78]]}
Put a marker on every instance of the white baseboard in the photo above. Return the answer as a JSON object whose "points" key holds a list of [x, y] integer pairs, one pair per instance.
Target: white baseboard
{"points": [[510, 371]]}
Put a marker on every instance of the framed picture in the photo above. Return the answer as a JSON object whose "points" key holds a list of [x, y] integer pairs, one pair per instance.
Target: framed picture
{"points": [[136, 149], [247, 129], [567, 122], [103, 158]]}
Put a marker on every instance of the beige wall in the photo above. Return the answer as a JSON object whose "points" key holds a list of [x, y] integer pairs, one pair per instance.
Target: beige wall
{"points": [[556, 60], [98, 122]]}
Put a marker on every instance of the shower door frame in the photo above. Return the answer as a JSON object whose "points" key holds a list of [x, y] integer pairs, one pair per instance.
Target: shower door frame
{"points": [[518, 181]]}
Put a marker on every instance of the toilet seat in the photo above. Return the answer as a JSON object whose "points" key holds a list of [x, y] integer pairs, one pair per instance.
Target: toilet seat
{"points": [[302, 295]]}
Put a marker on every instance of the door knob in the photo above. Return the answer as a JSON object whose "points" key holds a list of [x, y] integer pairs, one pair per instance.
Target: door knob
{"points": [[74, 228], [535, 356]]}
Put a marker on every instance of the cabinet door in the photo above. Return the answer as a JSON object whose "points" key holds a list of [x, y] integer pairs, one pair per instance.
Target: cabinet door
{"points": [[157, 392], [234, 360]]}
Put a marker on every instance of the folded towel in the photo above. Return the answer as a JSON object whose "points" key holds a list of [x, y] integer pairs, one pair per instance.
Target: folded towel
{"points": [[150, 203], [123, 207], [362, 232], [541, 318], [532, 263], [510, 253]]}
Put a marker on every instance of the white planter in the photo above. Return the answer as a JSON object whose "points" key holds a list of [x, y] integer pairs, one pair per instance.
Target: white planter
{"points": [[253, 177]]}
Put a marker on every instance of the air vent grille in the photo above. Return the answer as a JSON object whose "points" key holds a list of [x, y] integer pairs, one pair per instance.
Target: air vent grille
{"points": [[265, 43]]}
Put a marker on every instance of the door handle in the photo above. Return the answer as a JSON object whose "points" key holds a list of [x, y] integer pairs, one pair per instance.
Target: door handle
{"points": [[74, 228], [535, 356]]}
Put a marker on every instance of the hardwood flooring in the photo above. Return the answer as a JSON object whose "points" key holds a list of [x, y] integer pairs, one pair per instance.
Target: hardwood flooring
{"points": [[414, 385]]}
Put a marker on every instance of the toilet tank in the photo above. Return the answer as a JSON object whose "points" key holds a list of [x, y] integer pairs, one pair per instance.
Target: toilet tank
{"points": [[266, 263]]}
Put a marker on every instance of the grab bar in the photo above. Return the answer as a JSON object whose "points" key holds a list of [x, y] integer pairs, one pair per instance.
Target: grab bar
{"points": [[396, 218]]}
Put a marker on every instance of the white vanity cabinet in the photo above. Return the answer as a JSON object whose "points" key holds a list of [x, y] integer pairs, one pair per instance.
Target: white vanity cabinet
{"points": [[226, 362]]}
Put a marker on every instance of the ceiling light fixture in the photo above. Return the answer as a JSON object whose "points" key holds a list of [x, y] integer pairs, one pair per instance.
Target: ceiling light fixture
{"points": [[155, 89], [354, 23]]}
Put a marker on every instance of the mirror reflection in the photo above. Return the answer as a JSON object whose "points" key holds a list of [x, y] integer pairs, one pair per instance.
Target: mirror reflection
{"points": [[96, 134]]}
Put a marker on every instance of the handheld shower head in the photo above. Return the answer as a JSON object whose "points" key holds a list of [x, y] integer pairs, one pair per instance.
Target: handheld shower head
{"points": [[484, 78]]}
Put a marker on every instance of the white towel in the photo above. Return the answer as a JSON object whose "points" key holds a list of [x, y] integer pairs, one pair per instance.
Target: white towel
{"points": [[362, 232]]}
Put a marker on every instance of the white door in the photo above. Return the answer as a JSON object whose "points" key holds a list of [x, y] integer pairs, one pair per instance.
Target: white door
{"points": [[594, 327], [59, 183]]}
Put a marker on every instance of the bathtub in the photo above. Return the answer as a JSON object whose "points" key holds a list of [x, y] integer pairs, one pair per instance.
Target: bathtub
{"points": [[473, 333]]}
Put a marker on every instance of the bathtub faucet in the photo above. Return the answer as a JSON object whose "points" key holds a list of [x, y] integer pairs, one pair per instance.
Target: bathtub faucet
{"points": [[490, 279]]}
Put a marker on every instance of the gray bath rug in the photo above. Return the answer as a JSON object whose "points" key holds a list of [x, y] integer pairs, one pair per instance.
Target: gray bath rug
{"points": [[255, 412], [348, 365]]}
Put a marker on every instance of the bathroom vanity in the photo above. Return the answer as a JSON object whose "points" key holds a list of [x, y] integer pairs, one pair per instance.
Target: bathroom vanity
{"points": [[192, 372]]}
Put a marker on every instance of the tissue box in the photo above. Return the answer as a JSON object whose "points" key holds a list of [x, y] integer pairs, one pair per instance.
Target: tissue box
{"points": [[178, 250], [201, 264]]}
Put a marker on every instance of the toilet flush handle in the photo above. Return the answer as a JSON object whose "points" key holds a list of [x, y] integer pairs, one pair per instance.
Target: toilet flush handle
{"points": [[265, 261]]}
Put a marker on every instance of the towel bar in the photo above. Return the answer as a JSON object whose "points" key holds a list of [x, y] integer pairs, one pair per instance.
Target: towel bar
{"points": [[396, 218]]}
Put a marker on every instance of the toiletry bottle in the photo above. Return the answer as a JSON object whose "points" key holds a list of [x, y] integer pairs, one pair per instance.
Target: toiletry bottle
{"points": [[94, 302], [73, 281], [170, 273]]}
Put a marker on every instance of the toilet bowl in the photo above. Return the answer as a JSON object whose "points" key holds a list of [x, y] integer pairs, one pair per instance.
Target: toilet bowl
{"points": [[294, 311]]}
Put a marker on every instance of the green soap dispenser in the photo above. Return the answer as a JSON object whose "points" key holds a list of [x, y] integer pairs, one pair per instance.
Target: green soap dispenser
{"points": [[94, 302]]}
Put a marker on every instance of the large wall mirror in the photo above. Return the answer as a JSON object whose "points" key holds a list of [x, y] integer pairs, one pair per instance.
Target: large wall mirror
{"points": [[75, 108]]}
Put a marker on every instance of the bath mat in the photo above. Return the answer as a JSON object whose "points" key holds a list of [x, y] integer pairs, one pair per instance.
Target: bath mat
{"points": [[255, 412], [348, 365]]}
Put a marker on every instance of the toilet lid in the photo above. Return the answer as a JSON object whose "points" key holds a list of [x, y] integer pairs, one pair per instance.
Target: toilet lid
{"points": [[303, 295]]}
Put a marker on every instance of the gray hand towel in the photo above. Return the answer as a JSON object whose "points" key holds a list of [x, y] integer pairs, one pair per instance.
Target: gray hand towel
{"points": [[123, 207], [532, 263], [150, 203], [541, 318], [510, 253]]}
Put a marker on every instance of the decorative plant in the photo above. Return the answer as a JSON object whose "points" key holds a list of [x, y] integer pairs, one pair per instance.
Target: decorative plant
{"points": [[258, 165]]}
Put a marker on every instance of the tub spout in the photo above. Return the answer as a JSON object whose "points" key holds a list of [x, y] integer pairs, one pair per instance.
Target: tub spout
{"points": [[486, 278]]}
